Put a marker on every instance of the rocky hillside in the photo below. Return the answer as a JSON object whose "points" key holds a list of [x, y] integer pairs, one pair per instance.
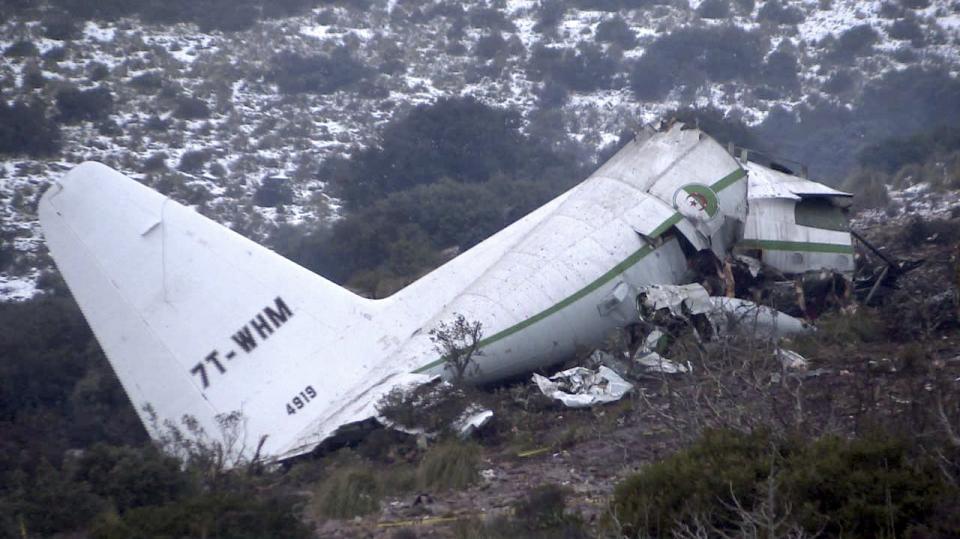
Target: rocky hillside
{"points": [[238, 120]]}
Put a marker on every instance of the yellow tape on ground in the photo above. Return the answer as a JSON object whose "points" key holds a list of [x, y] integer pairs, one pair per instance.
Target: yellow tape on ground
{"points": [[533, 452], [417, 522]]}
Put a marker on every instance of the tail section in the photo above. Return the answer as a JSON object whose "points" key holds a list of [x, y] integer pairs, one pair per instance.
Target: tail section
{"points": [[199, 321]]}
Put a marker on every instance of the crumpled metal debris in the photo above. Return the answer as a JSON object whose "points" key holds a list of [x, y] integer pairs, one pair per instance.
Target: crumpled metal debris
{"points": [[580, 387], [790, 359], [472, 420], [679, 299], [740, 315], [650, 360], [654, 362]]}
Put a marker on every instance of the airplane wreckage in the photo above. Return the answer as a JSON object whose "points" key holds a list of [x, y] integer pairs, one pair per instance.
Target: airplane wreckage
{"points": [[199, 321]]}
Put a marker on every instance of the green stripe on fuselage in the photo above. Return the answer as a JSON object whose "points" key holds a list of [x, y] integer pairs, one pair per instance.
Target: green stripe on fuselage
{"points": [[799, 246], [623, 266]]}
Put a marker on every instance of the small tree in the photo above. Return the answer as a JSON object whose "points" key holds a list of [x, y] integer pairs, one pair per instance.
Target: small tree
{"points": [[458, 343]]}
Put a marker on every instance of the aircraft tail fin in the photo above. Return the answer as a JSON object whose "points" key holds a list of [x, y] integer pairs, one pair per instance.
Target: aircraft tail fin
{"points": [[199, 321]]}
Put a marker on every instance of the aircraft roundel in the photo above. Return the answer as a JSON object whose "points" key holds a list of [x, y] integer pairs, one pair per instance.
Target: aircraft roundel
{"points": [[696, 201]]}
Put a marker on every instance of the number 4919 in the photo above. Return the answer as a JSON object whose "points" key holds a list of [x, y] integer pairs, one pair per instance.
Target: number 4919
{"points": [[301, 400]]}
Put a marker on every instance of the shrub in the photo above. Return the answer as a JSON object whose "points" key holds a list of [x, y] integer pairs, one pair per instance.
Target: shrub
{"points": [[894, 153], [155, 163], [616, 30], [97, 71], [583, 69], [839, 82], [614, 5], [273, 192], [689, 57], [150, 81], [552, 95], [450, 465], [489, 46], [854, 42], [193, 161], [240, 513], [33, 78], [21, 49], [776, 12], [77, 105], [25, 129], [867, 487], [191, 108], [55, 54], [319, 74], [461, 139], [492, 19], [780, 70], [61, 27], [51, 502], [906, 29], [701, 480], [869, 189], [351, 491], [131, 477], [551, 13], [430, 407], [714, 9]]}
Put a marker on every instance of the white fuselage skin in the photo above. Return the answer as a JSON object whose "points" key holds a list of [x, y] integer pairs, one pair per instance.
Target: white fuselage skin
{"points": [[550, 294], [198, 321]]}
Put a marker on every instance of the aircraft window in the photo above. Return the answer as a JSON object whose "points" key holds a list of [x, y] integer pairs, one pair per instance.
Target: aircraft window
{"points": [[820, 213]]}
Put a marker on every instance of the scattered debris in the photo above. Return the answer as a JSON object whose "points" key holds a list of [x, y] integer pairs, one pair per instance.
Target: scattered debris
{"points": [[654, 362], [680, 300], [744, 316], [473, 419], [649, 359], [581, 387], [790, 359]]}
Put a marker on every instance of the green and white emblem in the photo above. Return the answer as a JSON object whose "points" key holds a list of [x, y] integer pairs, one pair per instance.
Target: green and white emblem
{"points": [[696, 201]]}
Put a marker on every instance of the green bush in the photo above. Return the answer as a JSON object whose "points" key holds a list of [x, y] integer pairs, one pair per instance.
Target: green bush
{"points": [[318, 74], [776, 12], [698, 481], [450, 465], [690, 57], [352, 490], [236, 514], [25, 129], [853, 43], [21, 49], [868, 487], [714, 9], [131, 477], [190, 108], [616, 30], [583, 69], [77, 105], [273, 192], [193, 161]]}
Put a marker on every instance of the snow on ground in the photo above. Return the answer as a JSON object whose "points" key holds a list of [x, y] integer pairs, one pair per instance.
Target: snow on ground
{"points": [[254, 132]]}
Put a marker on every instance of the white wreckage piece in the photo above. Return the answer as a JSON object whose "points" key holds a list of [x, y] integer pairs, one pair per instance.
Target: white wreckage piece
{"points": [[199, 321], [581, 387]]}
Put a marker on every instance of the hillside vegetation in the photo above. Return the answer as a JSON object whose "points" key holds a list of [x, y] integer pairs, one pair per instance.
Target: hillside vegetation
{"points": [[243, 110]]}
